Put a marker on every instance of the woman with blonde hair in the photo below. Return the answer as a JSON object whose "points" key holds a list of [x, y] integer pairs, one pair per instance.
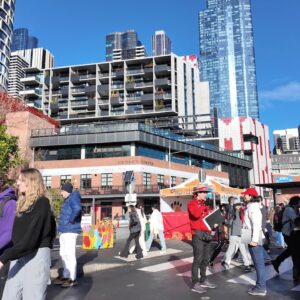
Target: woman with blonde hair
{"points": [[33, 233]]}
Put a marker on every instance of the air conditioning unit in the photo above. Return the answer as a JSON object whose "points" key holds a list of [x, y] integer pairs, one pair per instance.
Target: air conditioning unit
{"points": [[278, 192]]}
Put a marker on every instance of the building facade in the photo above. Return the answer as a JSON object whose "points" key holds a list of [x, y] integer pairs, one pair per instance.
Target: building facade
{"points": [[227, 58], [287, 164], [123, 45], [163, 86], [21, 40], [161, 44], [249, 136], [7, 9], [95, 158], [37, 58], [16, 73], [286, 141]]}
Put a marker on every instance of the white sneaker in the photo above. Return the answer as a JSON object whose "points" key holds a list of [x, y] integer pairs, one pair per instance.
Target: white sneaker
{"points": [[163, 251]]}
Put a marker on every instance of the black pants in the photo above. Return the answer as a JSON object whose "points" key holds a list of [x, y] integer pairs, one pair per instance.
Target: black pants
{"points": [[201, 252], [125, 251], [286, 253], [3, 277]]}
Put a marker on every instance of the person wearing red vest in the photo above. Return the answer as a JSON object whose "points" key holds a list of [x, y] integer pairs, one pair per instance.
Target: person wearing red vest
{"points": [[201, 237]]}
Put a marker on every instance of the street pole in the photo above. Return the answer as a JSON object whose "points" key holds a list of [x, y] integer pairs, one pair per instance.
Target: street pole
{"points": [[170, 185]]}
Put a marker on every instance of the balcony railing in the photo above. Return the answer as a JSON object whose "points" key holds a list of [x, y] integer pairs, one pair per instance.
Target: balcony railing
{"points": [[114, 190]]}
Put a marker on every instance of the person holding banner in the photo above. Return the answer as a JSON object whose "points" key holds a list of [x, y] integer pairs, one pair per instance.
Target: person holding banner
{"points": [[201, 237]]}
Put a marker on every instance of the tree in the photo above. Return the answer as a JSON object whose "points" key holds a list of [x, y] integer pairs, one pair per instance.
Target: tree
{"points": [[9, 151], [57, 201]]}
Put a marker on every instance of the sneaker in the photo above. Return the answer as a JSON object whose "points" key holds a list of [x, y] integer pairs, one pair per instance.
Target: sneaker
{"points": [[275, 265], [198, 288], [69, 283], [163, 251], [255, 292], [60, 280], [225, 265], [248, 269], [207, 284]]}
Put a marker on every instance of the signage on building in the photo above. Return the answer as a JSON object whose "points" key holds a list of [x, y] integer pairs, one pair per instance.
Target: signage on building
{"points": [[283, 179], [130, 199]]}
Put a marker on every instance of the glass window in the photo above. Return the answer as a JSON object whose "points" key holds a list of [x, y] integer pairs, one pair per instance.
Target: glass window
{"points": [[47, 181], [147, 180], [65, 178], [106, 180], [150, 152], [98, 151], [160, 181], [173, 180], [85, 181]]}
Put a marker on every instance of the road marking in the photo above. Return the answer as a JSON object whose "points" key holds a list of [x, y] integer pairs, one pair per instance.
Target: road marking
{"points": [[151, 254], [217, 268], [167, 265], [250, 278], [296, 289]]}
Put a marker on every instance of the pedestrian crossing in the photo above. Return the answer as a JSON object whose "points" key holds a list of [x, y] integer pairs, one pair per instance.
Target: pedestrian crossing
{"points": [[248, 278], [150, 254]]}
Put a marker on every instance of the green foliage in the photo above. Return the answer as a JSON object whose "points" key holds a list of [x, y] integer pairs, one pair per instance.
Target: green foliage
{"points": [[9, 151], [57, 200]]}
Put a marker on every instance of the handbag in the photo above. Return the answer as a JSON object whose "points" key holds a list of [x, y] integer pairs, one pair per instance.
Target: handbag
{"points": [[246, 236]]}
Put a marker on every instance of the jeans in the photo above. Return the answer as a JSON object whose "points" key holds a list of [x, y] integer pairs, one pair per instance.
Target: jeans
{"points": [[279, 238], [201, 252], [259, 264], [161, 238], [67, 252]]}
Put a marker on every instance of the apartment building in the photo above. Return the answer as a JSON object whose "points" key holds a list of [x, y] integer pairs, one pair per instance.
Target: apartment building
{"points": [[136, 88]]}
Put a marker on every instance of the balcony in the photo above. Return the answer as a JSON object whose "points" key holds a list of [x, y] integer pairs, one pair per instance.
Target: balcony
{"points": [[34, 92], [103, 75], [147, 98], [78, 90], [135, 71], [79, 103], [103, 89], [115, 190], [103, 102], [31, 80], [162, 82], [91, 89], [163, 96], [163, 68], [115, 100]]}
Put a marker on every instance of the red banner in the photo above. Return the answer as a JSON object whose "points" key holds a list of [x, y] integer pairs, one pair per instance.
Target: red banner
{"points": [[177, 225]]}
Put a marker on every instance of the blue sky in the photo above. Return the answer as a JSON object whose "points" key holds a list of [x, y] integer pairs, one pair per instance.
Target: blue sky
{"points": [[74, 31]]}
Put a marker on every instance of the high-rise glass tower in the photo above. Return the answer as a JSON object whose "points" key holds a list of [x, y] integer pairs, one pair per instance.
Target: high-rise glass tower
{"points": [[22, 41], [227, 59], [126, 42], [7, 9], [161, 44]]}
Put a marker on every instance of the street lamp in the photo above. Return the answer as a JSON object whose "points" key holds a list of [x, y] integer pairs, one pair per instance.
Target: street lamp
{"points": [[170, 159]]}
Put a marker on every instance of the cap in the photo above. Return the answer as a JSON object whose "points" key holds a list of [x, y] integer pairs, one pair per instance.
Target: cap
{"points": [[250, 192], [67, 187], [201, 189]]}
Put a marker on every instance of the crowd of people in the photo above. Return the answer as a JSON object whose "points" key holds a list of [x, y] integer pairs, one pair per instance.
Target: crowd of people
{"points": [[28, 229], [249, 230]]}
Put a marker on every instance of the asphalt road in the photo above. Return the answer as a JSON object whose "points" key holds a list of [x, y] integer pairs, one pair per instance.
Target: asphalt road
{"points": [[103, 275]]}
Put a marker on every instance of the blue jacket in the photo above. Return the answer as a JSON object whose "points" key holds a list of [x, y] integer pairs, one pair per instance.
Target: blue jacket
{"points": [[70, 215]]}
